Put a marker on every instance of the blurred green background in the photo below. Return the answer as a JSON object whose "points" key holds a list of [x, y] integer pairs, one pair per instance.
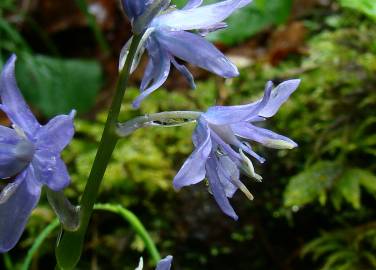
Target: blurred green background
{"points": [[316, 208]]}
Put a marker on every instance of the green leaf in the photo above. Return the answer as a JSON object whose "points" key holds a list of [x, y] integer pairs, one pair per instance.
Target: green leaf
{"points": [[311, 184], [366, 179], [370, 257], [252, 19], [341, 257], [367, 7], [56, 86], [348, 186], [320, 245]]}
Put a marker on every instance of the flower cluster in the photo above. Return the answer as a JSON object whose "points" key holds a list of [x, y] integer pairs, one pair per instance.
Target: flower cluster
{"points": [[29, 158]]}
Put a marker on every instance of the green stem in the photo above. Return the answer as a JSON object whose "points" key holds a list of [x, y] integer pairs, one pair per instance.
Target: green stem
{"points": [[137, 226], [69, 249]]}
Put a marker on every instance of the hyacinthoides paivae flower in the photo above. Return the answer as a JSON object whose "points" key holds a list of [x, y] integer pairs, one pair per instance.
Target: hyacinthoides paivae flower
{"points": [[29, 159], [222, 142], [171, 33]]}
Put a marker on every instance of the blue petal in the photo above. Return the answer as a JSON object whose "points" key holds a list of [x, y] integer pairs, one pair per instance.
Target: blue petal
{"points": [[15, 157], [226, 148], [164, 264], [200, 17], [198, 51], [278, 96], [192, 4], [193, 169], [185, 72], [227, 135], [228, 173], [201, 132], [148, 75], [8, 135], [218, 190], [56, 134], [16, 209], [157, 73], [213, 28], [50, 170], [248, 150], [13, 104], [262, 135], [221, 115]]}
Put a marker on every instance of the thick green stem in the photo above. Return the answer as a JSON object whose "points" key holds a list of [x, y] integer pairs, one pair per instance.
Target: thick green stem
{"points": [[69, 248]]}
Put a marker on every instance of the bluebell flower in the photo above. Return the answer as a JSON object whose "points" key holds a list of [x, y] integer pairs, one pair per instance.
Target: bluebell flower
{"points": [[221, 141], [175, 33], [164, 264], [29, 158]]}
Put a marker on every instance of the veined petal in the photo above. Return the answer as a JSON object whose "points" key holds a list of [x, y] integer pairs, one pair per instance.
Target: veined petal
{"points": [[213, 28], [221, 115], [248, 149], [164, 264], [226, 133], [192, 4], [185, 72], [200, 17], [8, 135], [157, 73], [228, 173], [201, 132], [13, 104], [278, 96], [50, 170], [148, 75], [226, 148], [15, 157], [198, 51], [16, 209], [193, 169], [263, 136], [218, 190], [56, 134]]}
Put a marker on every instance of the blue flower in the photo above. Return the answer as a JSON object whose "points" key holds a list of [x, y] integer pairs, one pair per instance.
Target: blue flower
{"points": [[179, 34], [164, 264], [29, 158], [221, 141]]}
